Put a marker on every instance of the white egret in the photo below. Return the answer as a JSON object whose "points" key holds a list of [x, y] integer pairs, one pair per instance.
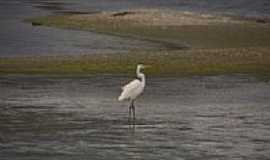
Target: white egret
{"points": [[133, 89]]}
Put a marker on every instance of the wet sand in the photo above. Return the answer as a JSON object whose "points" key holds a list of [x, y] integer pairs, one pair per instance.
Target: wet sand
{"points": [[214, 117]]}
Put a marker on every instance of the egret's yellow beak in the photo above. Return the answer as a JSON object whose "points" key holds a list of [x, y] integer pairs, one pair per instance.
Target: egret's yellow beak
{"points": [[146, 66]]}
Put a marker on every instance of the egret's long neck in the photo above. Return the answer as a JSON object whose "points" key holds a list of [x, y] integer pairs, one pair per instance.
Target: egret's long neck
{"points": [[140, 75]]}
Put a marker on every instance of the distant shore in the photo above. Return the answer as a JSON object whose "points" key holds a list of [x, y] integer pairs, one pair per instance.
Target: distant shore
{"points": [[194, 44]]}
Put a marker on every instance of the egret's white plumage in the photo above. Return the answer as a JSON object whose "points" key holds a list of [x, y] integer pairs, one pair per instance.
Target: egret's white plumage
{"points": [[133, 89]]}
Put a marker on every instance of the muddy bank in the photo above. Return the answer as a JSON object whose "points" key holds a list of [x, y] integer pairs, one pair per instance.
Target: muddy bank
{"points": [[183, 29]]}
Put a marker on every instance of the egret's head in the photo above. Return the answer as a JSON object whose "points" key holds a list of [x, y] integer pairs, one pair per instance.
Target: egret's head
{"points": [[140, 66]]}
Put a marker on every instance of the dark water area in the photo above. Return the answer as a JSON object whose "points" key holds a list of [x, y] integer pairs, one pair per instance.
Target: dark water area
{"points": [[18, 38], [206, 118]]}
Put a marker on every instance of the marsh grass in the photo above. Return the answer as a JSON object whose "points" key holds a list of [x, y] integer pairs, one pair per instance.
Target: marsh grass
{"points": [[175, 63]]}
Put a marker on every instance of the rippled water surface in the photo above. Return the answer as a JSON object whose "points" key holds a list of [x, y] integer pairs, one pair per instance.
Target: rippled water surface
{"points": [[219, 117]]}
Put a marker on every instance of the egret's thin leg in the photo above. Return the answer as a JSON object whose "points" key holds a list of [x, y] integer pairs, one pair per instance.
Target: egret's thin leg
{"points": [[133, 108], [134, 113], [129, 111]]}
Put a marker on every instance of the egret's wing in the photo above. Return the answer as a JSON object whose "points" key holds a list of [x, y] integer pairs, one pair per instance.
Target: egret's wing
{"points": [[130, 90], [131, 85]]}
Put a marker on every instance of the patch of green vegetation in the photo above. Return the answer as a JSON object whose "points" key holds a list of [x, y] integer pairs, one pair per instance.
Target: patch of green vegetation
{"points": [[174, 63]]}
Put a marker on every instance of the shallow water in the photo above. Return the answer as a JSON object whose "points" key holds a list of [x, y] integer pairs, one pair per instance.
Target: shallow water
{"points": [[218, 117], [18, 38]]}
